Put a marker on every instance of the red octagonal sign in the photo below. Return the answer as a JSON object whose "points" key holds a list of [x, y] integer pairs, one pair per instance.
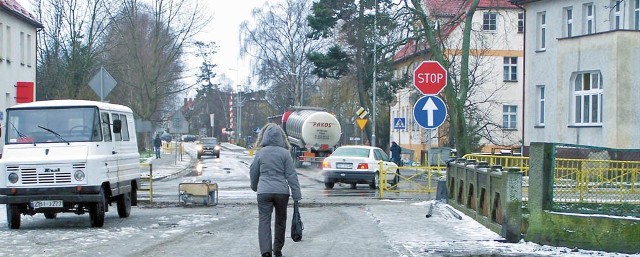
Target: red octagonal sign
{"points": [[430, 77]]}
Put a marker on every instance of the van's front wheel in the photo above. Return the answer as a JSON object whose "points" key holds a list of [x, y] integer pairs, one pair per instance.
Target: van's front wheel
{"points": [[13, 216], [124, 205], [96, 211]]}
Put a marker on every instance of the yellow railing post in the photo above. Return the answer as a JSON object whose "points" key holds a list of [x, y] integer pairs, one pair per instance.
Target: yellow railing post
{"points": [[150, 189], [150, 183], [382, 177]]}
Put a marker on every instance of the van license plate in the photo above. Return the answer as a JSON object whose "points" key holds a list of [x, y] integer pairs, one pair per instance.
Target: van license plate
{"points": [[46, 204]]}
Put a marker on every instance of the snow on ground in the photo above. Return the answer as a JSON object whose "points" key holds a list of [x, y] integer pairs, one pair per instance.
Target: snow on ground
{"points": [[444, 235]]}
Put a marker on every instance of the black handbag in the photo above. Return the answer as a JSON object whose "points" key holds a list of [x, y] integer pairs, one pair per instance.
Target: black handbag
{"points": [[296, 223]]}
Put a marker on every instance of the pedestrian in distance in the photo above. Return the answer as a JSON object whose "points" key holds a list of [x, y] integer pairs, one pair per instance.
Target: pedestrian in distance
{"points": [[274, 179], [157, 144], [395, 153]]}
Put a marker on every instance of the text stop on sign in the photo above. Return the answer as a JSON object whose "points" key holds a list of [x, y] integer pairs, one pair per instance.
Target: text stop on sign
{"points": [[430, 77]]}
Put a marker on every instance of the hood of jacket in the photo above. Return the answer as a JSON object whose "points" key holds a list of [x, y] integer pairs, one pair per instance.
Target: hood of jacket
{"points": [[272, 135]]}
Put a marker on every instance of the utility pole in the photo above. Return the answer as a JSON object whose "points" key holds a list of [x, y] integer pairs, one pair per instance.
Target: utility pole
{"points": [[373, 113], [239, 134]]}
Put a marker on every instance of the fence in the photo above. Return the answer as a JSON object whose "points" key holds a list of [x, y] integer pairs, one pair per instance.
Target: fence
{"points": [[586, 179], [569, 179], [411, 179], [596, 180], [147, 180]]}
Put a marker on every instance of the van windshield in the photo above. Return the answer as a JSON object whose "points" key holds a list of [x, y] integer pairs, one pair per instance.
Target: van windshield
{"points": [[37, 125]]}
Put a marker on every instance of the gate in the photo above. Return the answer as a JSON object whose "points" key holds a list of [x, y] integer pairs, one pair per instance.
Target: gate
{"points": [[411, 180]]}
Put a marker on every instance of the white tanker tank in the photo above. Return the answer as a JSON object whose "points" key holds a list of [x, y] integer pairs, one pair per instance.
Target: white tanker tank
{"points": [[312, 132]]}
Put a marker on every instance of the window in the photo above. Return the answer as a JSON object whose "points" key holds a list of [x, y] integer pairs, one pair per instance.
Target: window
{"points": [[589, 19], [616, 20], [1, 40], [542, 30], [22, 48], [29, 50], [125, 128], [540, 106], [568, 22], [379, 155], [587, 98], [7, 35], [510, 69], [124, 132], [405, 113], [54, 125], [636, 14], [116, 136], [106, 130], [489, 21], [520, 22], [509, 114]]}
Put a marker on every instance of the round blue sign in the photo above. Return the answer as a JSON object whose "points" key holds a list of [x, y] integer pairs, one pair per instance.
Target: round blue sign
{"points": [[430, 112]]}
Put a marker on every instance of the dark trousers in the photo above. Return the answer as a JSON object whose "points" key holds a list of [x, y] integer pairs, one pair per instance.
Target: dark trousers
{"points": [[157, 150], [266, 204]]}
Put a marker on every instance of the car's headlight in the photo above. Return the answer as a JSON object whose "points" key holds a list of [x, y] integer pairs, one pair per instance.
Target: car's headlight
{"points": [[217, 148], [78, 175], [13, 178]]}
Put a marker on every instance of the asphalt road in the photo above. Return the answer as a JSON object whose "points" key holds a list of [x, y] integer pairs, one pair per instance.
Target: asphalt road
{"points": [[339, 222]]}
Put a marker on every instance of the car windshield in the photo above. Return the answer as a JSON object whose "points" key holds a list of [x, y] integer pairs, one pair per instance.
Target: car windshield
{"points": [[53, 125], [351, 152], [209, 141]]}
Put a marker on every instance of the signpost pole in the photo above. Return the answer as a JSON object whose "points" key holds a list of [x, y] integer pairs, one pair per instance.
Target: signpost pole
{"points": [[101, 84]]}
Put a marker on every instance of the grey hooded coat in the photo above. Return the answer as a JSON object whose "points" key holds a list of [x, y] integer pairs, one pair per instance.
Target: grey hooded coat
{"points": [[272, 170]]}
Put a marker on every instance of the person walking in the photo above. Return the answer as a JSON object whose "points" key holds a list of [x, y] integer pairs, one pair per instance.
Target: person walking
{"points": [[395, 153], [157, 144], [274, 179]]}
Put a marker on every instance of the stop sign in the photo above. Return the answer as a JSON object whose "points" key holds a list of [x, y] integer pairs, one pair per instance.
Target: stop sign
{"points": [[430, 77]]}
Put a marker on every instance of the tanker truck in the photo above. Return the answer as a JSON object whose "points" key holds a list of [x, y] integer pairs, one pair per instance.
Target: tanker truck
{"points": [[312, 132]]}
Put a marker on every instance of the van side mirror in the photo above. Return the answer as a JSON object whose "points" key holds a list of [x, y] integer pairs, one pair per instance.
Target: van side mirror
{"points": [[117, 126]]}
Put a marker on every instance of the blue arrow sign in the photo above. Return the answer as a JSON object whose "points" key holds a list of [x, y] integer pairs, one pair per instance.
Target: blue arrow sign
{"points": [[430, 112], [399, 123]]}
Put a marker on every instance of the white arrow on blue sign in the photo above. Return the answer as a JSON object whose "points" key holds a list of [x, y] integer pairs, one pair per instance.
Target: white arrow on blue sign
{"points": [[399, 123], [430, 111]]}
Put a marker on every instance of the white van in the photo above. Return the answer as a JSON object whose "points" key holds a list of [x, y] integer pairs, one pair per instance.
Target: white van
{"points": [[69, 156]]}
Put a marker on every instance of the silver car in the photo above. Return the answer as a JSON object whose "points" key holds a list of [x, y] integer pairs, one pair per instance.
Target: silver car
{"points": [[358, 164]]}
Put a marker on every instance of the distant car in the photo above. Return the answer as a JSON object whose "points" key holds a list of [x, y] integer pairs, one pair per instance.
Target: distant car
{"points": [[357, 165], [208, 146], [166, 137], [189, 138]]}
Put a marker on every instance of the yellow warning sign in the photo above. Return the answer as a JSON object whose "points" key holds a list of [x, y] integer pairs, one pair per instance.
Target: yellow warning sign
{"points": [[362, 123]]}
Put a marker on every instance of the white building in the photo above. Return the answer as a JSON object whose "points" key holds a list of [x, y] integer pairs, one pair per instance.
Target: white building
{"points": [[582, 62], [497, 51], [18, 31]]}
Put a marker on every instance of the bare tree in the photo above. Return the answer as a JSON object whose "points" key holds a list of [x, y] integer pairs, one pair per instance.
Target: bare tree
{"points": [[144, 50], [278, 43], [145, 47], [70, 46]]}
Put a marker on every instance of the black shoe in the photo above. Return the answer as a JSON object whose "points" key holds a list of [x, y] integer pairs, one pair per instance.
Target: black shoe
{"points": [[277, 254], [267, 254]]}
